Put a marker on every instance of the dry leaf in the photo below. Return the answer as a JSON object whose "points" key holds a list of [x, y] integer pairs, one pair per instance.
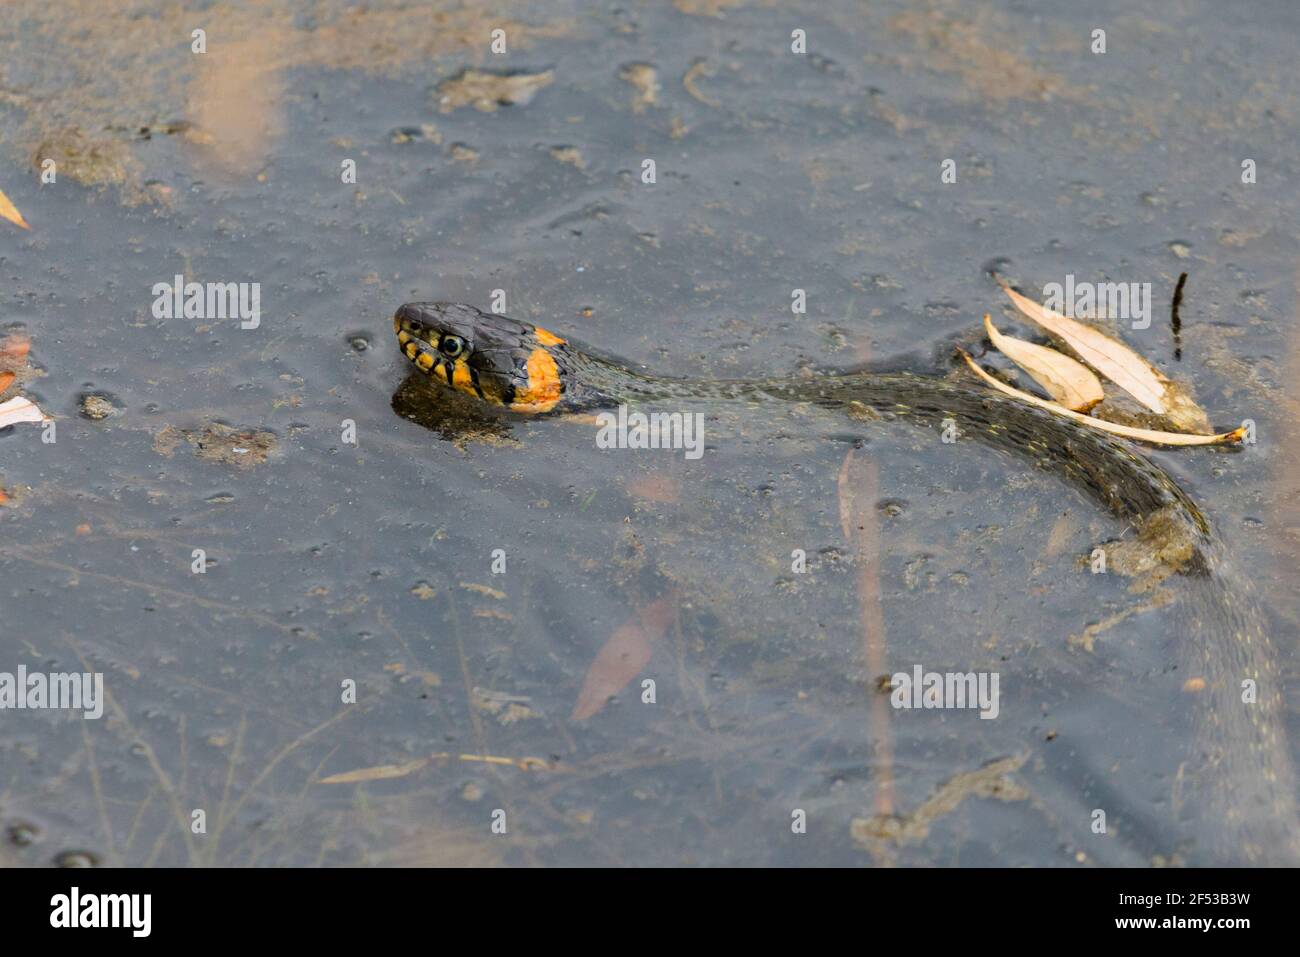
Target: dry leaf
{"points": [[622, 657], [1141, 435], [1118, 363], [382, 772], [1069, 382], [10, 212], [379, 773], [6, 380], [15, 346], [19, 409], [523, 764]]}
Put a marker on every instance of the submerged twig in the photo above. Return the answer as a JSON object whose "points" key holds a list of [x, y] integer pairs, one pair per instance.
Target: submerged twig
{"points": [[1175, 321]]}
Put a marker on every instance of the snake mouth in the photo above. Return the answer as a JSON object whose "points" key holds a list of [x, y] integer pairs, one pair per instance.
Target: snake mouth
{"points": [[409, 322], [414, 339]]}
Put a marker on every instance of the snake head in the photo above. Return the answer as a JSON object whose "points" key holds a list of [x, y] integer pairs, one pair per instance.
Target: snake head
{"points": [[497, 359]]}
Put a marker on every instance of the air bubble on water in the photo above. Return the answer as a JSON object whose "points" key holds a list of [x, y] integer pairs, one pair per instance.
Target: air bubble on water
{"points": [[76, 859], [23, 833]]}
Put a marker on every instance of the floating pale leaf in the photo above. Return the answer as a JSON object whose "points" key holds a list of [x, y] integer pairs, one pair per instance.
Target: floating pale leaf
{"points": [[1141, 435], [19, 409], [1118, 363], [1069, 382], [10, 212]]}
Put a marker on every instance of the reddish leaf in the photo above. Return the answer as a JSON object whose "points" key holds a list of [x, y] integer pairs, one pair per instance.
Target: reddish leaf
{"points": [[15, 346], [622, 657]]}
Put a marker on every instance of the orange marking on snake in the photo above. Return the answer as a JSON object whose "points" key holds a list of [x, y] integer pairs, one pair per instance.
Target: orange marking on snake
{"points": [[543, 390]]}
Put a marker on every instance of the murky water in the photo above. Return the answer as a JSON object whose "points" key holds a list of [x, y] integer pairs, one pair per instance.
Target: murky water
{"points": [[333, 563]]}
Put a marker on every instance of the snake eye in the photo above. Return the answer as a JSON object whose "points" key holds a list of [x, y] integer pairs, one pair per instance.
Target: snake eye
{"points": [[451, 346]]}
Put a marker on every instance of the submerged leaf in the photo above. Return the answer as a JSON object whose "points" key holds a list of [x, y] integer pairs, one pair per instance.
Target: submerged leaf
{"points": [[379, 773], [1118, 363], [1141, 435], [10, 212], [623, 656], [1069, 382], [15, 346]]}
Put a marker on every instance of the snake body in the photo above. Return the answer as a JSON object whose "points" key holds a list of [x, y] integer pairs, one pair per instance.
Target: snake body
{"points": [[1243, 777]]}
